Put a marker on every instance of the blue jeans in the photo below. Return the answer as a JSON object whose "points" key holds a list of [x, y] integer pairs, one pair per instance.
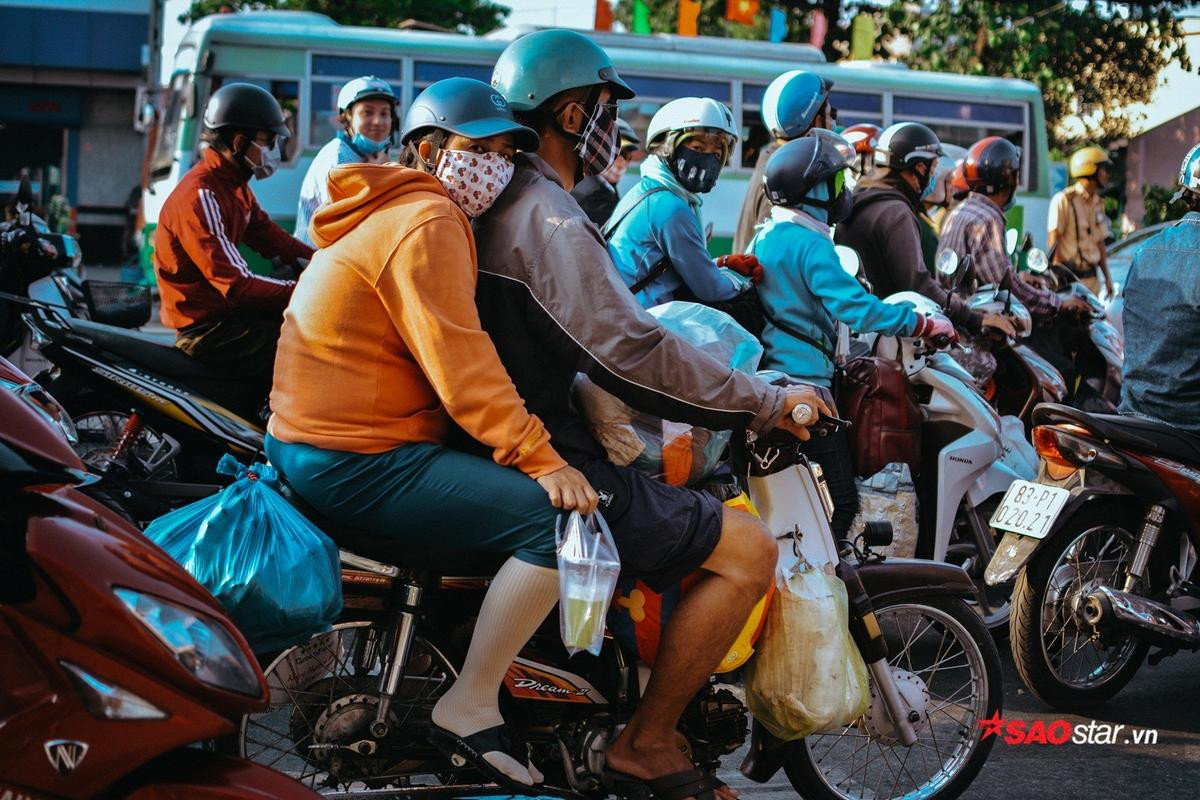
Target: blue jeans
{"points": [[422, 492]]}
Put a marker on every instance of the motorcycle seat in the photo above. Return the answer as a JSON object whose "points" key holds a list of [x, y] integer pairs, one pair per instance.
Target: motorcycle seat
{"points": [[1145, 435], [146, 350], [430, 557]]}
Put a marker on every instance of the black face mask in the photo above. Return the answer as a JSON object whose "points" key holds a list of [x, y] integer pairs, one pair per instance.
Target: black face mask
{"points": [[697, 172]]}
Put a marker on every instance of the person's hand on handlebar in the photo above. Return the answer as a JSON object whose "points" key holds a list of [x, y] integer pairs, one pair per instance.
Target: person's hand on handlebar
{"points": [[805, 405], [570, 490], [936, 329], [1076, 306]]}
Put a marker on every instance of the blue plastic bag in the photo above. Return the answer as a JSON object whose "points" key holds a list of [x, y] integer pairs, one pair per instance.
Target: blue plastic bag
{"points": [[275, 572]]}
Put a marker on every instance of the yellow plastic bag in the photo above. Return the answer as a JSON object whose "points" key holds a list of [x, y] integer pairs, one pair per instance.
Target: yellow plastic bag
{"points": [[807, 675]]}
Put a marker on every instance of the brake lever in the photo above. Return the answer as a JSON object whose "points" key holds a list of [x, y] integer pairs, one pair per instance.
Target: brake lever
{"points": [[826, 425]]}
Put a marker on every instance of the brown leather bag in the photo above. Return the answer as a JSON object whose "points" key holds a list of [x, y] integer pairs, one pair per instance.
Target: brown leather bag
{"points": [[876, 395]]}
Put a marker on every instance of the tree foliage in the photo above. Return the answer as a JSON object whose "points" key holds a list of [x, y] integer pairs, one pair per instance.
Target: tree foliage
{"points": [[466, 16], [1091, 59]]}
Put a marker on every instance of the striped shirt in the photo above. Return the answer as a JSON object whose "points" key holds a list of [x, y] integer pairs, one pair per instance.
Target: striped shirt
{"points": [[201, 274], [976, 227]]}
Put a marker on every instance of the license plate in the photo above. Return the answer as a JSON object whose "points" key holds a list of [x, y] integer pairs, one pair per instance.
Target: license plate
{"points": [[1029, 508]]}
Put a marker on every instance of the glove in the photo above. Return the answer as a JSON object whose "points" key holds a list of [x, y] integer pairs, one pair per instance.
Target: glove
{"points": [[1000, 323], [743, 264], [936, 328]]}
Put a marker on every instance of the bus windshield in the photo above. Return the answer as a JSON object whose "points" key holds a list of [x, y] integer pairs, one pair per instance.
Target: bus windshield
{"points": [[168, 126]]}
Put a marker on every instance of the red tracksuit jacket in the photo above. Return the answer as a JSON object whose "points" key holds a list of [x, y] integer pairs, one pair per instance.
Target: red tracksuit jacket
{"points": [[201, 275]]}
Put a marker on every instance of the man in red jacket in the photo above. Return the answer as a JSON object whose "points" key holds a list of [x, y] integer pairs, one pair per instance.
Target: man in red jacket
{"points": [[226, 316]]}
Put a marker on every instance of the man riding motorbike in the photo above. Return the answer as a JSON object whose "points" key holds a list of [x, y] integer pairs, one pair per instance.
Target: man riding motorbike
{"points": [[226, 316], [554, 305], [793, 104], [1077, 227], [976, 227], [367, 112], [1161, 375], [656, 229], [597, 195], [805, 291], [883, 226], [381, 352]]}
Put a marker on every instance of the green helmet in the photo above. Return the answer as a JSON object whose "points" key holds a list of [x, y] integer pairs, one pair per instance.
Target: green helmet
{"points": [[539, 65]]}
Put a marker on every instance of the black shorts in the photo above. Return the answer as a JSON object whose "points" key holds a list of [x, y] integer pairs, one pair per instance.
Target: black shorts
{"points": [[662, 532]]}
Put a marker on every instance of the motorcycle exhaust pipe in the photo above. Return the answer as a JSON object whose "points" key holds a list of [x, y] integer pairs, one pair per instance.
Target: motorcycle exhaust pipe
{"points": [[1110, 607]]}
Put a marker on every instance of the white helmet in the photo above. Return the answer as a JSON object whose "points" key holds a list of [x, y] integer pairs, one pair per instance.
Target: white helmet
{"points": [[368, 86], [689, 113]]}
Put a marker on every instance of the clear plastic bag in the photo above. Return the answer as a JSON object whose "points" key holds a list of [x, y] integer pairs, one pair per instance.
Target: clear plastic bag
{"points": [[675, 452], [276, 573], [807, 674], [588, 567]]}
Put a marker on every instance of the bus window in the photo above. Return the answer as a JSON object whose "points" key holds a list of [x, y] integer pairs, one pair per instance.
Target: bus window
{"points": [[174, 104], [329, 74], [427, 72], [655, 92], [852, 108], [964, 122], [288, 95]]}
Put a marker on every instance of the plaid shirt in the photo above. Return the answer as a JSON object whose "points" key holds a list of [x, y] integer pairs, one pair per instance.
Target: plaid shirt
{"points": [[976, 226]]}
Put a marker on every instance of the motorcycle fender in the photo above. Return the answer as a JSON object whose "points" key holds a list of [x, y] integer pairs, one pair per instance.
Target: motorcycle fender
{"points": [[1015, 550], [894, 579], [201, 774]]}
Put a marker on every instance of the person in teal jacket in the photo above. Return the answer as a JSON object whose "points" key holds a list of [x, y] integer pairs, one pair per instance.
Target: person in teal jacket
{"points": [[656, 233], [805, 292]]}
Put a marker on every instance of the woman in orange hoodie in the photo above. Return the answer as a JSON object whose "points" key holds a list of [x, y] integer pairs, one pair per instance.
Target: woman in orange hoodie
{"points": [[381, 350]]}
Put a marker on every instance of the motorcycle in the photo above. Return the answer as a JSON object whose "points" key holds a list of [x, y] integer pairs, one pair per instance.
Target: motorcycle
{"points": [[152, 421], [1104, 549], [115, 661], [350, 709]]}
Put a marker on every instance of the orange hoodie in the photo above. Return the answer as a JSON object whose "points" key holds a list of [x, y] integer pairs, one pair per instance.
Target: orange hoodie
{"points": [[381, 343]]}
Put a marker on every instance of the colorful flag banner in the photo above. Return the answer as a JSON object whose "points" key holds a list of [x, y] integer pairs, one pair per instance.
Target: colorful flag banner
{"points": [[604, 15], [689, 17], [820, 27], [641, 17], [742, 11], [862, 36], [778, 25]]}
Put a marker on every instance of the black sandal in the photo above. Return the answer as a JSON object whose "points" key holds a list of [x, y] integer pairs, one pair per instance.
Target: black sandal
{"points": [[465, 751], [676, 786]]}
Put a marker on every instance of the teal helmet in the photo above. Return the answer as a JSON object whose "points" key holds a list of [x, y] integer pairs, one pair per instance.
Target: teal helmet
{"points": [[467, 107], [539, 65], [1189, 174]]}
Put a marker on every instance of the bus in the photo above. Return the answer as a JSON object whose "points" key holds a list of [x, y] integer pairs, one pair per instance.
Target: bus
{"points": [[304, 58]]}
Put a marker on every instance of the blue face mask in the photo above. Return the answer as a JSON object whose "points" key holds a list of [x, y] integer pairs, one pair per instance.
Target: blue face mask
{"points": [[368, 147], [929, 184]]}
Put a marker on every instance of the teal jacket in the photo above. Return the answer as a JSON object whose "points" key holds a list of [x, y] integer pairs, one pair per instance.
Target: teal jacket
{"points": [[666, 224], [805, 287]]}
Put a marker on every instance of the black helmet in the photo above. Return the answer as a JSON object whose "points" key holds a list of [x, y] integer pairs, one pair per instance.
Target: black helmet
{"points": [[467, 107], [244, 105], [799, 166], [904, 143], [629, 137], [992, 165]]}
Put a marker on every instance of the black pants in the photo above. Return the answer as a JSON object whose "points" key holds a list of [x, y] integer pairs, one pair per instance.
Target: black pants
{"points": [[244, 348], [832, 452]]}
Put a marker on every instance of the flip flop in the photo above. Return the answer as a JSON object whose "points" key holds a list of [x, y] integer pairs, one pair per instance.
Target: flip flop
{"points": [[468, 750], [676, 786]]}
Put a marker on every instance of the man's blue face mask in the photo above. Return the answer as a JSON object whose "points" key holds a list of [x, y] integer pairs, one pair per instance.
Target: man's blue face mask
{"points": [[368, 147]]}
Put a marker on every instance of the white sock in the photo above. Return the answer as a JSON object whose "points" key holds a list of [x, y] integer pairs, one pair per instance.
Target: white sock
{"points": [[520, 597]]}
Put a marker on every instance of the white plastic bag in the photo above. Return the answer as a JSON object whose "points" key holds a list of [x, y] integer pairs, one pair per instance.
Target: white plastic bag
{"points": [[807, 675], [587, 575]]}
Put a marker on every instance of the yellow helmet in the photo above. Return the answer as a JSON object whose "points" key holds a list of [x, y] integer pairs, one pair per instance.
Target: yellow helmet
{"points": [[1085, 162]]}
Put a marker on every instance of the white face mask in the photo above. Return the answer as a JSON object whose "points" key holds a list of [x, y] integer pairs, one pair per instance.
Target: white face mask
{"points": [[269, 160], [473, 180]]}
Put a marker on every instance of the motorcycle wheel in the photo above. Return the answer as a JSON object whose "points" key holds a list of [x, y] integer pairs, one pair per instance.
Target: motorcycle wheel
{"points": [[943, 642], [1051, 644], [323, 696]]}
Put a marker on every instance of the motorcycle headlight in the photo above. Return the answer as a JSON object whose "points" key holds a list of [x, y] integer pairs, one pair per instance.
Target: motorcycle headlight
{"points": [[45, 405], [202, 644]]}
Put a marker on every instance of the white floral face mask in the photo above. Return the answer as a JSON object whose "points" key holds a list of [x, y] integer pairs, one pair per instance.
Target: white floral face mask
{"points": [[473, 180]]}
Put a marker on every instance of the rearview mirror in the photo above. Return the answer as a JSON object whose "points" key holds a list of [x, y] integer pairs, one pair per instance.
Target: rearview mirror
{"points": [[1036, 260], [849, 259], [947, 263], [25, 191], [1010, 240]]}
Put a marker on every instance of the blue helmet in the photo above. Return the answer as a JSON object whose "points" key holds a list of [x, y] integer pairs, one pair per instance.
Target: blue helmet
{"points": [[1189, 174], [541, 64], [467, 107], [792, 102]]}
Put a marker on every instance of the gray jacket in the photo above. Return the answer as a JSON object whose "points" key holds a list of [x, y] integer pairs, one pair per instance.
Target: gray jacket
{"points": [[554, 304]]}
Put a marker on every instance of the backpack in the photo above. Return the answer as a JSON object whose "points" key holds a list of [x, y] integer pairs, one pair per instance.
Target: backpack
{"points": [[875, 393]]}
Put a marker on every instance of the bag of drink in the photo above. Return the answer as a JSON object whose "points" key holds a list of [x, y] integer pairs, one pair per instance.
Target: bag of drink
{"points": [[587, 575]]}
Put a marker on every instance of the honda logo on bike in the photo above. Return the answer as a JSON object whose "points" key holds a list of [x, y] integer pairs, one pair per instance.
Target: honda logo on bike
{"points": [[65, 754]]}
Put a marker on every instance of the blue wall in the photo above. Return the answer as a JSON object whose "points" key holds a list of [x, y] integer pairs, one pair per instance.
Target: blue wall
{"points": [[66, 39]]}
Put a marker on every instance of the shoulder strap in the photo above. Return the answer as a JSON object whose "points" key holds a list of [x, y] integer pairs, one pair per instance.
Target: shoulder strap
{"points": [[795, 334], [610, 228]]}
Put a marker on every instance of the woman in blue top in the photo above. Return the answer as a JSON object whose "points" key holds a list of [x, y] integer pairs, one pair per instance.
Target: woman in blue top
{"points": [[655, 232], [805, 292]]}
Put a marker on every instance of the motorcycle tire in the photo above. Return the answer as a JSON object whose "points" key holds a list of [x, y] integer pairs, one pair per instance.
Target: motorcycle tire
{"points": [[805, 769], [1029, 595]]}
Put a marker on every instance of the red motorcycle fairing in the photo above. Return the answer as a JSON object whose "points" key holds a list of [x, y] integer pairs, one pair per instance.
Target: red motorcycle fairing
{"points": [[27, 430], [203, 775]]}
